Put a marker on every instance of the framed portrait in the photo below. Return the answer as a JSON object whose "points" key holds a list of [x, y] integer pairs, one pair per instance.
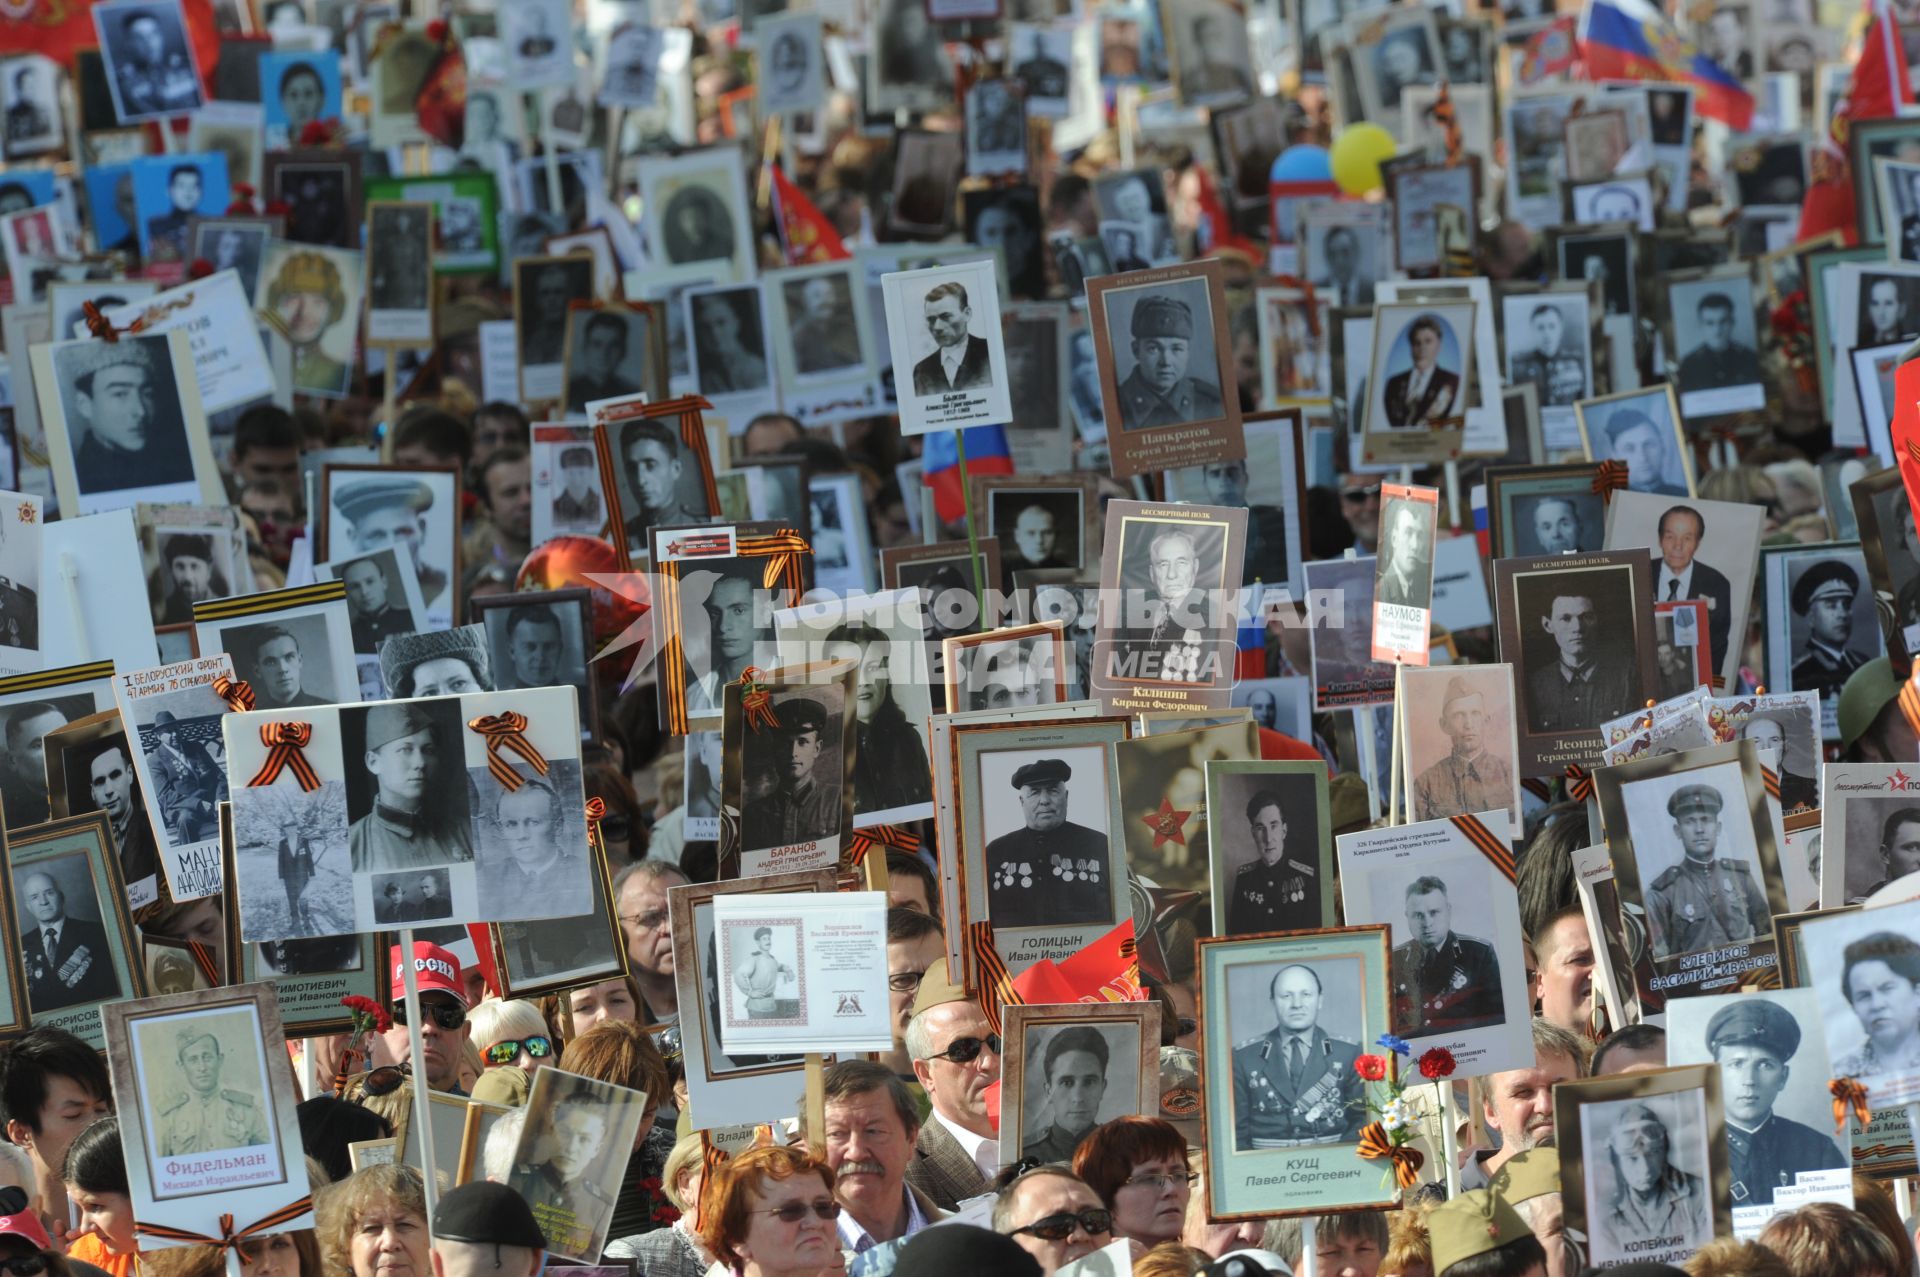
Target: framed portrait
{"points": [[542, 639], [697, 211], [314, 293], [236, 243], [794, 71], [729, 349], [203, 1073], [553, 955], [1283, 704], [1295, 346], [1008, 218], [383, 602], [1554, 617], [89, 767], [1863, 821], [171, 718], [1270, 846], [1041, 521], [399, 273], [1711, 328], [1694, 855], [1174, 568], [1873, 386], [1163, 791], [1889, 138], [802, 972], [1271, 483], [1544, 510], [294, 647], [996, 128], [842, 544], [1623, 982], [822, 338], [1418, 194], [1785, 730], [946, 342], [786, 777], [1341, 643], [654, 467], [1005, 668], [892, 699], [1643, 430], [1096, 1063], [1046, 872], [545, 290], [1602, 256], [32, 706], [465, 205], [1259, 995], [568, 494], [721, 570], [1820, 622], [927, 167], [1420, 378], [108, 452], [572, 1155], [1446, 889], [1698, 549], [178, 966], [452, 1118], [1038, 58], [321, 189], [1208, 52], [1058, 594], [725, 1088], [1553, 342], [1883, 516], [1457, 729], [151, 65], [956, 586], [613, 349], [298, 89], [78, 956], [1666, 1124], [1684, 654], [30, 92], [1866, 954], [362, 508]]}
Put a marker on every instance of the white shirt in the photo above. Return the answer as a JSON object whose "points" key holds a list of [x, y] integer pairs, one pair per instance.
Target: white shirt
{"points": [[1667, 575], [1417, 383], [950, 357], [854, 1237], [983, 1149]]}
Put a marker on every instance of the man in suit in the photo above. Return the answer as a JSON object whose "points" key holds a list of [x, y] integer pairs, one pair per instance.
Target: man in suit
{"points": [[191, 784], [275, 660], [1425, 394], [596, 371], [1158, 391], [1681, 576], [113, 788], [1824, 595], [1295, 1085], [956, 1057], [960, 361], [67, 959], [371, 614], [1406, 572]]}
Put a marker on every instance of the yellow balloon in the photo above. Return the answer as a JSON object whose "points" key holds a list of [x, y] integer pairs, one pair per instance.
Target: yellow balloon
{"points": [[1356, 157]]}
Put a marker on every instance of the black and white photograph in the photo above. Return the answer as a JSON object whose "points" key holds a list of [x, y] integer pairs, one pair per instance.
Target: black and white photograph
{"points": [[927, 168], [1711, 321], [1458, 737], [76, 953], [1641, 430], [996, 128], [631, 70], [1773, 1063], [907, 64], [1419, 380], [842, 542], [1209, 50], [321, 189], [820, 325], [793, 73], [1898, 183], [530, 843], [1270, 847], [1072, 1068], [237, 244], [410, 896], [1548, 343], [1040, 58], [1618, 199], [188, 561], [31, 706], [536, 38], [943, 326], [171, 966], [542, 639], [181, 772], [544, 291], [1343, 249], [1770, 170], [722, 626], [1566, 518], [1419, 197], [150, 63], [765, 962], [1136, 197], [30, 99], [383, 600], [1039, 526], [731, 361], [1404, 569], [1340, 645], [1392, 52], [791, 783], [659, 479], [700, 787], [399, 273], [1820, 622], [1007, 218], [612, 351], [1605, 257], [1726, 37], [123, 421], [20, 524], [892, 699], [1281, 704], [1873, 1030], [1006, 669], [697, 211], [571, 1157], [1701, 550], [1172, 568], [288, 661], [567, 494], [1270, 484], [437, 663], [368, 508], [92, 768], [1873, 828], [1653, 1166]]}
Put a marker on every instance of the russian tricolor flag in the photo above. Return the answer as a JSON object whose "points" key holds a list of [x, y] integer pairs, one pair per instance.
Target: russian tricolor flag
{"points": [[1632, 40], [987, 453]]}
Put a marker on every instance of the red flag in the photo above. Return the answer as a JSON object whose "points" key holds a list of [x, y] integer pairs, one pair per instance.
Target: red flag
{"points": [[806, 236], [59, 29], [1551, 51], [1877, 89]]}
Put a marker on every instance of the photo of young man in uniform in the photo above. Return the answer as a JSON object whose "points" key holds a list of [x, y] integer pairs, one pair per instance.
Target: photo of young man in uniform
{"points": [[1710, 899]]}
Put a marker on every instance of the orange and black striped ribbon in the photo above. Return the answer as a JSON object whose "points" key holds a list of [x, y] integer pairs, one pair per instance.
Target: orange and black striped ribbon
{"points": [[284, 741], [783, 551], [236, 692], [1849, 1094], [1406, 1159], [892, 837], [1537, 787], [756, 702], [507, 731], [1771, 779], [1610, 477], [996, 986], [1497, 849], [1579, 783], [1909, 700], [228, 1237]]}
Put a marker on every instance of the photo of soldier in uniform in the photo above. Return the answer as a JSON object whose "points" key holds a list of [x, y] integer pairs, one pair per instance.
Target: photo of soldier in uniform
{"points": [[1714, 336], [1443, 981], [1079, 1075], [371, 510], [1639, 430], [541, 639], [406, 790], [1830, 631], [1293, 1079], [1459, 741], [792, 790], [63, 936], [1703, 886], [1049, 854], [577, 507], [571, 1155], [1164, 352], [1273, 860], [204, 1110], [381, 599], [662, 482], [1547, 345], [30, 93], [150, 64], [1172, 574], [1647, 1176], [285, 661], [610, 353]]}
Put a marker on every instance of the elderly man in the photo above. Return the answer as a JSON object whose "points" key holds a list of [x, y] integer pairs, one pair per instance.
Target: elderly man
{"points": [[1678, 571], [1074, 1067], [1442, 982], [1579, 690], [191, 577], [443, 1016], [1166, 644], [1824, 596], [956, 1057], [1471, 777], [1557, 526], [564, 1190], [802, 807], [1518, 1103], [1275, 892], [1158, 390], [640, 900], [371, 613], [960, 360], [871, 1127], [406, 828], [1752, 1039], [67, 959], [132, 434], [385, 512], [1703, 903], [1294, 1085], [1050, 870], [1054, 1216], [1652, 1197], [484, 1229], [208, 1117]]}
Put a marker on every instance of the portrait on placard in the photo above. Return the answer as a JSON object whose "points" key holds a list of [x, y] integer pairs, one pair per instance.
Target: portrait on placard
{"points": [[907, 66], [399, 272], [298, 89], [321, 188], [1544, 510], [129, 414], [545, 290], [1209, 47], [1040, 59], [611, 352], [792, 66], [1008, 218], [1006, 669], [1715, 339], [530, 844], [149, 56], [1821, 622], [1341, 644], [1039, 527], [996, 120], [1617, 199], [723, 625], [1606, 258], [1174, 573], [1641, 430], [1270, 843], [1547, 345], [1076, 1068], [823, 327], [1162, 340], [233, 243], [1785, 730], [168, 193], [1419, 371], [64, 928], [1282, 704], [1049, 854], [1872, 827], [315, 293], [1651, 1169], [1163, 790], [437, 663], [90, 767], [696, 210], [371, 508], [287, 661], [568, 497], [571, 1156], [1405, 560], [1873, 1029], [659, 479], [541, 639], [383, 598], [727, 328], [946, 340], [28, 714], [30, 105], [1703, 550], [1460, 748]]}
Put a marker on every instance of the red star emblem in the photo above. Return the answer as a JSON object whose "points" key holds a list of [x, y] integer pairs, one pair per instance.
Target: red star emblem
{"points": [[1899, 779], [1167, 824], [673, 547]]}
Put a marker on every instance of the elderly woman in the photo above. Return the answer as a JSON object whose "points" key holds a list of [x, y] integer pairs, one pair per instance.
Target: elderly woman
{"points": [[96, 1180], [1880, 979], [513, 1042], [676, 1251], [1138, 1166], [622, 1053], [770, 1212], [374, 1224]]}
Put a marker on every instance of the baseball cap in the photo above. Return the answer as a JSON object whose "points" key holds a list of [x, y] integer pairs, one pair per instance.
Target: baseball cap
{"points": [[436, 970]]}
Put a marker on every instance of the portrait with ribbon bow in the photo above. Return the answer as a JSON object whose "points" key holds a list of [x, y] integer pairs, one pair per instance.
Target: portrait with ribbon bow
{"points": [[791, 777], [719, 587]]}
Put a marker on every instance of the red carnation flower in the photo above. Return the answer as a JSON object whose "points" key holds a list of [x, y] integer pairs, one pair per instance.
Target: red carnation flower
{"points": [[199, 268], [1371, 1067], [1437, 1063], [437, 30]]}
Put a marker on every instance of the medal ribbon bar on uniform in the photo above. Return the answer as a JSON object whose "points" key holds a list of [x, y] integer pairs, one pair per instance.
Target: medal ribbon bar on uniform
{"points": [[506, 731], [284, 741]]}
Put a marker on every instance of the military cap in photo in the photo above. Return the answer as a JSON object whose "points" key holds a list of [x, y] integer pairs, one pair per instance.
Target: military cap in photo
{"points": [[1047, 769], [487, 1214], [1627, 419], [187, 545], [1458, 689], [1527, 1175], [1163, 317], [1474, 1223], [1828, 580], [936, 989], [801, 714], [88, 359], [189, 1036], [1754, 1021], [1692, 798], [578, 455], [400, 656], [389, 723], [362, 499]]}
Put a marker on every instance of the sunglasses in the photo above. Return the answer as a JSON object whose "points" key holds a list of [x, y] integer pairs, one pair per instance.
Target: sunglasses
{"points": [[1359, 494], [1057, 1228], [448, 1015], [966, 1050], [508, 1050], [793, 1212], [386, 1079]]}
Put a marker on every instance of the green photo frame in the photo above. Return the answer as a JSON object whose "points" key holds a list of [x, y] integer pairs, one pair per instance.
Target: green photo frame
{"points": [[461, 245]]}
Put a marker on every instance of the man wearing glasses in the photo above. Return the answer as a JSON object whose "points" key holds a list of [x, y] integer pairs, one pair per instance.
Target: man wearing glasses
{"points": [[1053, 1216], [443, 1016], [956, 1057], [914, 943], [640, 897], [871, 1124]]}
